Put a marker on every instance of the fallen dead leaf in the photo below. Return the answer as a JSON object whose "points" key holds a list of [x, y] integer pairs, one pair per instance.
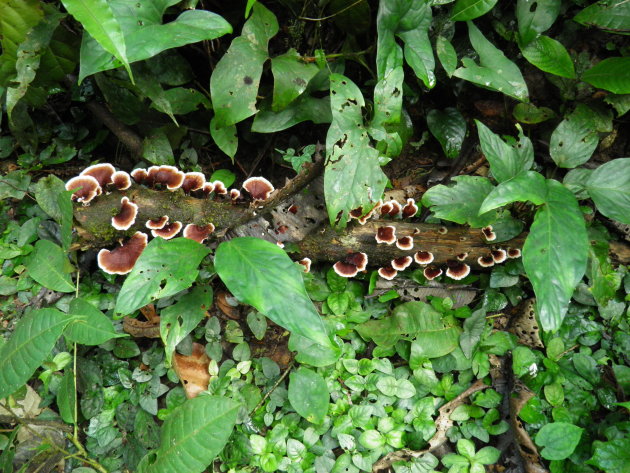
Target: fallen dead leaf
{"points": [[193, 370], [228, 304]]}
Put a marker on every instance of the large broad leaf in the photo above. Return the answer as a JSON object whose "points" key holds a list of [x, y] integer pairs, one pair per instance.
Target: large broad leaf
{"points": [[302, 109], [49, 266], [610, 15], [526, 186], [460, 203], [161, 271], [91, 326], [611, 74], [465, 10], [535, 17], [495, 71], [53, 198], [609, 187], [192, 436], [446, 54], [308, 395], [32, 341], [558, 440], [262, 275], [235, 79], [226, 138], [353, 177], [574, 140], [555, 254], [66, 397], [549, 55], [16, 20], [98, 19], [410, 21], [291, 76], [449, 128], [178, 320], [612, 456], [146, 36]]}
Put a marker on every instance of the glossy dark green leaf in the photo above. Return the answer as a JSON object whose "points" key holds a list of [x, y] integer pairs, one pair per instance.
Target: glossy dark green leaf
{"points": [[49, 266], [160, 272], [291, 75], [612, 74], [460, 203], [558, 440], [31, 342], [555, 254], [235, 78], [465, 10], [353, 176], [449, 128], [531, 114], [608, 15], [612, 456], [308, 394], [575, 138], [226, 138], [494, 71], [91, 326], [304, 108], [17, 18], [66, 397], [549, 55], [609, 187], [529, 186], [535, 17], [473, 328], [47, 190], [145, 36], [179, 319], [312, 353], [192, 436], [505, 161], [446, 54], [262, 275]]}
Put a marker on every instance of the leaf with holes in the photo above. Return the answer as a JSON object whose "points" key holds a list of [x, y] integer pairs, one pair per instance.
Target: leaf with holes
{"points": [[160, 272], [574, 140], [291, 77], [535, 17]]}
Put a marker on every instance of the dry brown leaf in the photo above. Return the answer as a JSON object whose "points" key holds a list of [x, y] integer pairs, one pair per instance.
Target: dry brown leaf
{"points": [[525, 326], [228, 304], [139, 328], [193, 370]]}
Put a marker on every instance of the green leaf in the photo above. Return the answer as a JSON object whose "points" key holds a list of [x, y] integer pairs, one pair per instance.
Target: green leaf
{"points": [[156, 148], [235, 78], [32, 341], [609, 187], [460, 203], [91, 326], [308, 395], [49, 266], [612, 456], [262, 275], [535, 17], [449, 128], [66, 397], [575, 139], [473, 328], [555, 254], [98, 19], [146, 36], [612, 74], [488, 455], [14, 185], [609, 15], [529, 186], [558, 440], [410, 21], [291, 75], [531, 114], [160, 272], [353, 177], [178, 320], [446, 54], [304, 108], [313, 353], [433, 340], [47, 190], [226, 138], [505, 161], [549, 55], [495, 71], [465, 10], [192, 436]]}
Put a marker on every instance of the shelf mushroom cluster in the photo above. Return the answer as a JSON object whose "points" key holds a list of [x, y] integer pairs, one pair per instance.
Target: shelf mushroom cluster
{"points": [[99, 178]]}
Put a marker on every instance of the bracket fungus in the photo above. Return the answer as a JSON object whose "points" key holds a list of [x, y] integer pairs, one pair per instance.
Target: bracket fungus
{"points": [[140, 175], [499, 255], [351, 265], [199, 233], [157, 223], [165, 175], [488, 233], [122, 259], [513, 253], [410, 209], [402, 263], [306, 263], [88, 188], [386, 235], [456, 269], [101, 172], [126, 216], [121, 180], [431, 272], [485, 261], [387, 272], [168, 231], [423, 257], [258, 187], [193, 181], [405, 243]]}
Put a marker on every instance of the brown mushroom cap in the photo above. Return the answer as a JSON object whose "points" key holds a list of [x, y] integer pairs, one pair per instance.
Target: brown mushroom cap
{"points": [[126, 216], [199, 233], [157, 223], [432, 272], [88, 188], [121, 260], [351, 265], [165, 175], [356, 213], [219, 188], [456, 269], [258, 187], [396, 208], [385, 208], [193, 181], [402, 263], [102, 172], [488, 233], [410, 209], [360, 260], [386, 235], [442, 230], [513, 253], [140, 175], [306, 262], [121, 180], [387, 272], [462, 256], [208, 188], [485, 261], [405, 243], [499, 255], [423, 257], [235, 194], [168, 231]]}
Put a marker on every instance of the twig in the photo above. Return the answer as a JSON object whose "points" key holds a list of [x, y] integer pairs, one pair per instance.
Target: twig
{"points": [[305, 18], [273, 388], [12, 419]]}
